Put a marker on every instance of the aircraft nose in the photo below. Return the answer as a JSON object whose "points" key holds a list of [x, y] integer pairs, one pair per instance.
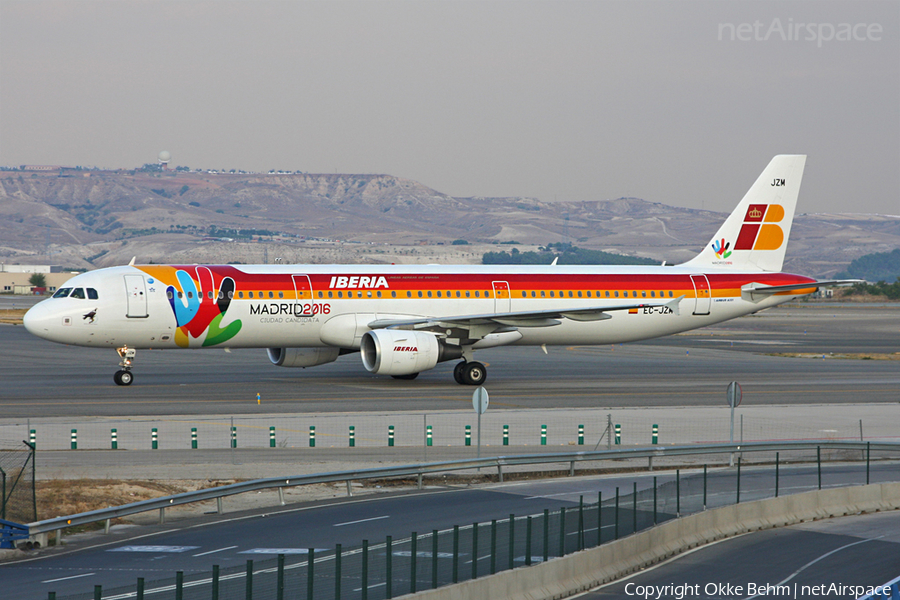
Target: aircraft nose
{"points": [[37, 320]]}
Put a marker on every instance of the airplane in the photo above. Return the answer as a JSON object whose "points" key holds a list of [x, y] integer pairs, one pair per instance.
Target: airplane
{"points": [[405, 319]]}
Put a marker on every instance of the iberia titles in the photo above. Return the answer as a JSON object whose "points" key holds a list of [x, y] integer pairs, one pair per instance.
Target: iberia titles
{"points": [[363, 282]]}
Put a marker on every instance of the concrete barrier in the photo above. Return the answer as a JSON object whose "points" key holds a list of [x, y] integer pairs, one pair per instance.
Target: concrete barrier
{"points": [[562, 577]]}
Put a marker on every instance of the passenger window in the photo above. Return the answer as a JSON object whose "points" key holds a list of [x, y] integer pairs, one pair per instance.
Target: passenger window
{"points": [[249, 294], [457, 293], [169, 294], [379, 293], [552, 294], [190, 294], [92, 294], [634, 294], [579, 293], [670, 293], [320, 294], [62, 292], [653, 294], [281, 294], [589, 294], [420, 293], [533, 294], [644, 294], [330, 294], [439, 293], [570, 293], [543, 294], [468, 294], [617, 294], [393, 294], [607, 293], [476, 293], [240, 294], [625, 294], [408, 294], [230, 295], [340, 294], [368, 294]]}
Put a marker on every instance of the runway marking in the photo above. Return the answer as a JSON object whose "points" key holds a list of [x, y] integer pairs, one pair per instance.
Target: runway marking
{"points": [[369, 587], [214, 551], [812, 562], [361, 521], [66, 578]]}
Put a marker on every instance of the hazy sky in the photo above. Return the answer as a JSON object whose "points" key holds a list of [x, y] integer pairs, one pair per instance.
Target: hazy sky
{"points": [[677, 102]]}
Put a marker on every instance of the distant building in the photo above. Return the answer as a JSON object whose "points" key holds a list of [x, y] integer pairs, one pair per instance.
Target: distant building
{"points": [[14, 278], [41, 167]]}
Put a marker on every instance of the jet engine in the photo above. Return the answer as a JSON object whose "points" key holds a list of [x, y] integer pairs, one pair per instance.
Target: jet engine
{"points": [[400, 352], [302, 357]]}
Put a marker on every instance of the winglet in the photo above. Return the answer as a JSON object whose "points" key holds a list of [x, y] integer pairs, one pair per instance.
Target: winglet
{"points": [[131, 262]]}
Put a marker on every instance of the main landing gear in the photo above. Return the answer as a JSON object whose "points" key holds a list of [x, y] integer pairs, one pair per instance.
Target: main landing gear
{"points": [[469, 373], [124, 376]]}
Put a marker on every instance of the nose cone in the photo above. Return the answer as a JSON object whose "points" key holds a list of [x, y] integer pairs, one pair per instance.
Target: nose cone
{"points": [[38, 320]]}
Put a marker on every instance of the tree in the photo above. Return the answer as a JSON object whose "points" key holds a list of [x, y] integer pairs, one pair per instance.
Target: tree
{"points": [[37, 280]]}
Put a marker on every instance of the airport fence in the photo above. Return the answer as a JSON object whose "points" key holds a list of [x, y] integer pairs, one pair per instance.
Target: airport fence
{"points": [[18, 500], [408, 562], [591, 428]]}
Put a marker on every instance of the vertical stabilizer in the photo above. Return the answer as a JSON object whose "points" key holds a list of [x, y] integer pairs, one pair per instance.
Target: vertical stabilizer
{"points": [[755, 235]]}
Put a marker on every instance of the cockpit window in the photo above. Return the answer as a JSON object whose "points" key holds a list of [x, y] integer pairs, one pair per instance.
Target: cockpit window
{"points": [[92, 294], [77, 293], [62, 292]]}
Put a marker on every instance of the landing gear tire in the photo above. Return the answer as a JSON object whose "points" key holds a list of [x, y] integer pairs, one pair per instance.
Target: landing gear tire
{"points": [[123, 377], [409, 376], [458, 373], [474, 373]]}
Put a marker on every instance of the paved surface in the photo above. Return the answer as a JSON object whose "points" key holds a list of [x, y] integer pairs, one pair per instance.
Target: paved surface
{"points": [[44, 379], [194, 545], [861, 550]]}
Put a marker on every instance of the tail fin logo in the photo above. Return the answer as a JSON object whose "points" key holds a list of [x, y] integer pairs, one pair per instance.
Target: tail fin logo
{"points": [[721, 248], [760, 229]]}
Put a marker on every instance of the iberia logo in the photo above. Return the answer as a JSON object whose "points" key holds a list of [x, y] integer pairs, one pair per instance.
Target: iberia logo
{"points": [[759, 231], [199, 305]]}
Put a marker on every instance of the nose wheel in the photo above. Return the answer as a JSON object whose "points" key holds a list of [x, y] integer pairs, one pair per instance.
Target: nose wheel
{"points": [[470, 373], [124, 376]]}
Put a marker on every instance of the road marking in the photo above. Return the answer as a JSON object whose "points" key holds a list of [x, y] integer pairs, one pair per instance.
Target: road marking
{"points": [[361, 521], [812, 562], [173, 549], [72, 577], [560, 494], [214, 551], [374, 585]]}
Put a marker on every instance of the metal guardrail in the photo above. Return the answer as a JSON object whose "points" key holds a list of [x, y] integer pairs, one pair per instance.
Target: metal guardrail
{"points": [[419, 470]]}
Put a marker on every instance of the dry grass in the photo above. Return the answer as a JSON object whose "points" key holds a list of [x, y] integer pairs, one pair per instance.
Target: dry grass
{"points": [[12, 316], [58, 498]]}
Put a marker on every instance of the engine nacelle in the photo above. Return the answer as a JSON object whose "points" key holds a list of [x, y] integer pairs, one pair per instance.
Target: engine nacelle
{"points": [[400, 352], [302, 357]]}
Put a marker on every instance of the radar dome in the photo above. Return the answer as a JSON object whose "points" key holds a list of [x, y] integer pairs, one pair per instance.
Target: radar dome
{"points": [[164, 156]]}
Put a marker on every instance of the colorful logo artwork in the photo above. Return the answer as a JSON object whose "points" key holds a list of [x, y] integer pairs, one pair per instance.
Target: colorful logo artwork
{"points": [[200, 306], [721, 248]]}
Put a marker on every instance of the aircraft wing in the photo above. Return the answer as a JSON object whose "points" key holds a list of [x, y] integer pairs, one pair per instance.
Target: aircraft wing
{"points": [[478, 326], [762, 290]]}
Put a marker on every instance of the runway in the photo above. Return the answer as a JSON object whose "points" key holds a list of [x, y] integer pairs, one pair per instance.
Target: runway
{"points": [[42, 379]]}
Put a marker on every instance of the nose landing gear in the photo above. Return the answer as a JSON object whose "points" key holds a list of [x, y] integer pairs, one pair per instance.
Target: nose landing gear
{"points": [[124, 376]]}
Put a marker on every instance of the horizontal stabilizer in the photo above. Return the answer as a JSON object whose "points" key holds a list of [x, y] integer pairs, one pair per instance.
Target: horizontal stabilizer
{"points": [[758, 291]]}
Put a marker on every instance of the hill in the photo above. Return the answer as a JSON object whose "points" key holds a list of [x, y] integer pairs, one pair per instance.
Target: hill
{"points": [[94, 218]]}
